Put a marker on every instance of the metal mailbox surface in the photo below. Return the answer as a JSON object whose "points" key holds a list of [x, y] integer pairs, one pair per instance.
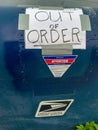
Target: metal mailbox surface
{"points": [[25, 80]]}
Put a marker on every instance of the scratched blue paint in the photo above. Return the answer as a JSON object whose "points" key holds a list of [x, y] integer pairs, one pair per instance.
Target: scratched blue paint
{"points": [[25, 80]]}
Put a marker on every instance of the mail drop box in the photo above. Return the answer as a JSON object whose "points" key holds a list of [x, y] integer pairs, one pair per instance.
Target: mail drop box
{"points": [[48, 67]]}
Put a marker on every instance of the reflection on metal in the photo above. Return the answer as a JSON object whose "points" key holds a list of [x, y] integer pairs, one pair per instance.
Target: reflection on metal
{"points": [[62, 3]]}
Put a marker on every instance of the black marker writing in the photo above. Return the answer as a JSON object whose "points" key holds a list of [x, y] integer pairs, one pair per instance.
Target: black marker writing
{"points": [[31, 34], [53, 35], [64, 35], [54, 32], [43, 16], [41, 13], [43, 35], [59, 18], [75, 32]]}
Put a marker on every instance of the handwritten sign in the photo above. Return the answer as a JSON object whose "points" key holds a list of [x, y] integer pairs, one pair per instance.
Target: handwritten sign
{"points": [[48, 27]]}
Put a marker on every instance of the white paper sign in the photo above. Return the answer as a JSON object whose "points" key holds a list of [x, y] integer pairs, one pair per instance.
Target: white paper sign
{"points": [[48, 27]]}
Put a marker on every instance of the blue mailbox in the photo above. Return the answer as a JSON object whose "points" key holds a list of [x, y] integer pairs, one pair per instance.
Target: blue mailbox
{"points": [[35, 93]]}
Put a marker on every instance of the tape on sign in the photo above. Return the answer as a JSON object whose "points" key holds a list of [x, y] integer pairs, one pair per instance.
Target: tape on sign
{"points": [[85, 23], [56, 49], [23, 22], [51, 8]]}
